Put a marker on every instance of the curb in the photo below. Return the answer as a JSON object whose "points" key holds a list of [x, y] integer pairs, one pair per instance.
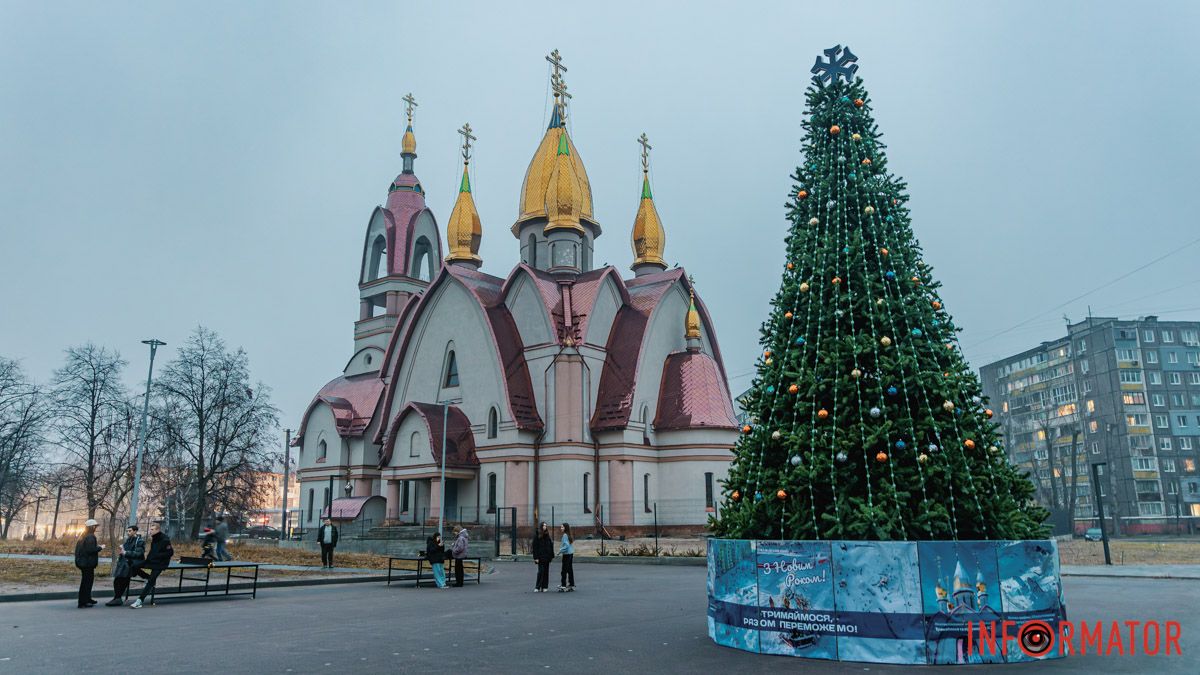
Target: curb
{"points": [[1095, 575], [283, 583], [670, 561]]}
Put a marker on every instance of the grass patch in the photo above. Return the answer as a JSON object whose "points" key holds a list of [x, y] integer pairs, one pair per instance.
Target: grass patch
{"points": [[1130, 552]]}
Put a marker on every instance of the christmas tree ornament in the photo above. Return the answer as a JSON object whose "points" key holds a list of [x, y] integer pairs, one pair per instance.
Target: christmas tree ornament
{"points": [[947, 406], [890, 275], [916, 280], [737, 496], [845, 99], [767, 354], [770, 361], [879, 302], [856, 137], [813, 222], [892, 391], [839, 313], [936, 304], [885, 341], [776, 435], [835, 130], [787, 315], [804, 288], [858, 103], [758, 496], [803, 194], [866, 161], [799, 340], [876, 412], [792, 389], [881, 457], [970, 444], [883, 252], [994, 449], [922, 458], [977, 399], [916, 332], [837, 280], [852, 176], [822, 413], [791, 266], [989, 412], [770, 389], [900, 445], [780, 495], [841, 456], [845, 249], [856, 373], [746, 429], [889, 218], [933, 447], [869, 210], [831, 203], [841, 160], [795, 460]]}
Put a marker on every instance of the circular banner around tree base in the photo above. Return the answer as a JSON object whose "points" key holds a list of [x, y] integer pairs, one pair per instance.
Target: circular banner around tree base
{"points": [[924, 602]]}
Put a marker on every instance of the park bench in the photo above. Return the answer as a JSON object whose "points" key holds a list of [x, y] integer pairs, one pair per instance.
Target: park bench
{"points": [[420, 560], [205, 585]]}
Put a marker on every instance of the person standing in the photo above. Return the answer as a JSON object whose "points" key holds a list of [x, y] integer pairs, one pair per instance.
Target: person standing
{"points": [[543, 553], [222, 534], [158, 558], [435, 553], [132, 553], [567, 550], [327, 534], [87, 557], [459, 551]]}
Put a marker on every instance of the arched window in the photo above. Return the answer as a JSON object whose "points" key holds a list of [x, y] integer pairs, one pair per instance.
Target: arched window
{"points": [[311, 498], [646, 493], [451, 378], [422, 264], [414, 444], [708, 490], [377, 265], [326, 505], [587, 488], [533, 251], [322, 450], [646, 422], [491, 493], [493, 427]]}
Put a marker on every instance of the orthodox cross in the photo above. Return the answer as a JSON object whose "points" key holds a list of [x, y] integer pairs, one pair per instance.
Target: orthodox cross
{"points": [[467, 138], [841, 63], [409, 104], [646, 148], [556, 60], [557, 83]]}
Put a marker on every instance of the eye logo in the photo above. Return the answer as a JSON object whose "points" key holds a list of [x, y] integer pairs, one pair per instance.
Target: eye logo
{"points": [[1035, 638]]}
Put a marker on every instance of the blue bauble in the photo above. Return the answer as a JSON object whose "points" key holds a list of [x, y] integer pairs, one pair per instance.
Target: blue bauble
{"points": [[845, 99], [770, 389], [800, 340], [890, 275], [852, 176], [889, 219], [916, 332], [900, 445], [892, 391], [758, 496]]}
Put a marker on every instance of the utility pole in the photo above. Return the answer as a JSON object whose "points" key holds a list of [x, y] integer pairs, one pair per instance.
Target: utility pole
{"points": [[442, 491], [287, 475], [37, 510], [1100, 509], [137, 472], [57, 503]]}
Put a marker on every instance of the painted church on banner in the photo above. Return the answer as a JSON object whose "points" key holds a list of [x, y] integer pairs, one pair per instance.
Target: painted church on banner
{"points": [[559, 388]]}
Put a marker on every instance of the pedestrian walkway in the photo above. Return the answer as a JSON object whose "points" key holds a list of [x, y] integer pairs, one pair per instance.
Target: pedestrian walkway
{"points": [[1137, 571]]}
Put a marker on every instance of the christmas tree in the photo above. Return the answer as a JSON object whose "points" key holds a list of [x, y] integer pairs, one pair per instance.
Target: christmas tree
{"points": [[866, 422]]}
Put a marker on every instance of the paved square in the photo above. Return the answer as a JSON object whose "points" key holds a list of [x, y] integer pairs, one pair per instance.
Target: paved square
{"points": [[623, 619]]}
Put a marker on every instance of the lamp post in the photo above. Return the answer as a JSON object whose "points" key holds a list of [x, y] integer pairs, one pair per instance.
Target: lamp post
{"points": [[37, 510], [137, 472], [287, 475], [442, 493], [57, 503], [1100, 509]]}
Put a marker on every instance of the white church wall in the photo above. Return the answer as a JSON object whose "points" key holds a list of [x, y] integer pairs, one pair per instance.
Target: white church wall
{"points": [[604, 311], [321, 426], [366, 360], [664, 335], [681, 488], [525, 305], [561, 487], [412, 443]]}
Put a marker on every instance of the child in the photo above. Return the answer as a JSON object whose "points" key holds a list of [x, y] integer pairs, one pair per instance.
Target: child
{"points": [[567, 550], [543, 553]]}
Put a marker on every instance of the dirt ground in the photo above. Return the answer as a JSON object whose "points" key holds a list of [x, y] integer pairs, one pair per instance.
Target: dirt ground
{"points": [[1130, 552]]}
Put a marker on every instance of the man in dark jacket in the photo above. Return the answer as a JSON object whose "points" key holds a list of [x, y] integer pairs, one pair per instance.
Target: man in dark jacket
{"points": [[327, 536], [158, 558], [131, 555], [222, 534], [87, 557], [543, 553]]}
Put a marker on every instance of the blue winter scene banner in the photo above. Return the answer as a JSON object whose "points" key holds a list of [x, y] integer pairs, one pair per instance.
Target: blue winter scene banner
{"points": [[1030, 590], [796, 612], [732, 593], [880, 583], [960, 588]]}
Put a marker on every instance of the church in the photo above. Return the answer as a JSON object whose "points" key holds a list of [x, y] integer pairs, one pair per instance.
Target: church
{"points": [[562, 389]]}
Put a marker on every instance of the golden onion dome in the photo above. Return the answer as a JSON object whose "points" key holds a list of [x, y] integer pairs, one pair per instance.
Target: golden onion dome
{"points": [[649, 237], [564, 196], [463, 230], [537, 176], [693, 320], [408, 144]]}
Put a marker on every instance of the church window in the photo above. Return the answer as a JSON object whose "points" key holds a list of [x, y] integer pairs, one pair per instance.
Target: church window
{"points": [[422, 266], [493, 426], [587, 486], [708, 490], [532, 251], [451, 379], [323, 450], [646, 493], [327, 507], [414, 444], [404, 496], [311, 497], [491, 493], [367, 358]]}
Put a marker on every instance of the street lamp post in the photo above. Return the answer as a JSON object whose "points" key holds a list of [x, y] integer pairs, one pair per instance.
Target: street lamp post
{"points": [[287, 474], [1100, 509], [442, 493], [137, 472]]}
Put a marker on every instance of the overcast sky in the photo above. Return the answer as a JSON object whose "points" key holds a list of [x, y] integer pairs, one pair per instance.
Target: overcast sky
{"points": [[169, 164]]}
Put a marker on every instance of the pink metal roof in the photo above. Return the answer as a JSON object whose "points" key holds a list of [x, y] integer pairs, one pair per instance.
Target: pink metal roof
{"points": [[352, 400], [345, 508], [693, 394], [459, 439]]}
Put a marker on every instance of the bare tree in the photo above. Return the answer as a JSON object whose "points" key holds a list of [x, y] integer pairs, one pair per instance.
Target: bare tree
{"points": [[89, 402], [222, 424], [1063, 479], [23, 412]]}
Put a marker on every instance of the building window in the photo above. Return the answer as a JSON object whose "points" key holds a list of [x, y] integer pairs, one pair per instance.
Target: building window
{"points": [[311, 498], [646, 493], [1177, 400], [1133, 398], [1143, 463], [587, 487], [414, 444], [1151, 356], [1081, 346], [1193, 357], [1168, 336], [1185, 443], [1150, 508], [451, 378], [1147, 336], [493, 426], [1093, 426], [1095, 448], [1155, 377], [1189, 465], [1175, 378], [404, 488], [1172, 357], [1158, 399], [1168, 465], [1083, 366], [1172, 487], [325, 503], [1087, 385], [708, 490], [532, 251], [1161, 422], [322, 450], [1137, 420], [1164, 443], [1194, 378], [491, 493], [1131, 377], [1091, 406], [1181, 420], [1126, 355], [1189, 337]]}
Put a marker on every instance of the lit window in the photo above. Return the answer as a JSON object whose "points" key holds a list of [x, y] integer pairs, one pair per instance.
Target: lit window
{"points": [[1091, 406], [1134, 398], [1189, 465], [1093, 427]]}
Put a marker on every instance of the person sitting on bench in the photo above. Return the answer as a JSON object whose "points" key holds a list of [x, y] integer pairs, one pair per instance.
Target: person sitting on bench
{"points": [[158, 558]]}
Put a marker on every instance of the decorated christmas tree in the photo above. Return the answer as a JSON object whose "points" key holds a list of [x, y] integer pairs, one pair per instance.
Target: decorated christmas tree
{"points": [[866, 422]]}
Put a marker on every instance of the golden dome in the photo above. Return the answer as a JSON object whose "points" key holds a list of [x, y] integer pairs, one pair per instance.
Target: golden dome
{"points": [[564, 194], [408, 145], [464, 231], [649, 238], [693, 320], [537, 176]]}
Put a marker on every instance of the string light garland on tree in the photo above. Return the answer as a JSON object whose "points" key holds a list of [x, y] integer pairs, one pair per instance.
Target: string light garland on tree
{"points": [[864, 367]]}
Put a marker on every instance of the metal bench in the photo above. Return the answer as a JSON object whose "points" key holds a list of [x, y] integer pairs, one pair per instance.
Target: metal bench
{"points": [[420, 560], [203, 574]]}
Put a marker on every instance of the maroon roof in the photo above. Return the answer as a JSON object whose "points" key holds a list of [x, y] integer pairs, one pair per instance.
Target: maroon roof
{"points": [[346, 508], [353, 401], [693, 394], [459, 439], [403, 207]]}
